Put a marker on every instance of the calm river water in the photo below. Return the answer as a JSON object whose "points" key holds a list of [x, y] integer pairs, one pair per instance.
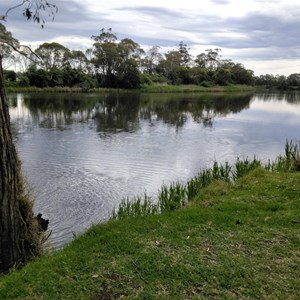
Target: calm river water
{"points": [[83, 153]]}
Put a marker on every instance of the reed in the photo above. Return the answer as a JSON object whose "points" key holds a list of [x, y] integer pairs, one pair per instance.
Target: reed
{"points": [[176, 195], [138, 206], [292, 153], [172, 197], [288, 162], [243, 167]]}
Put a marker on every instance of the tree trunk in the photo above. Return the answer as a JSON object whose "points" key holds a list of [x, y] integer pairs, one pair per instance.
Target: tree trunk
{"points": [[11, 250]]}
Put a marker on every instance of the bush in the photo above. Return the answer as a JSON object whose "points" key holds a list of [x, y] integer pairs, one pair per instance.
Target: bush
{"points": [[23, 81], [207, 84]]}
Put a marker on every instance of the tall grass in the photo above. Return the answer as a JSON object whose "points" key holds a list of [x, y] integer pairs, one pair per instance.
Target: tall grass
{"points": [[242, 167], [58, 89], [165, 88], [177, 195], [138, 206], [290, 161]]}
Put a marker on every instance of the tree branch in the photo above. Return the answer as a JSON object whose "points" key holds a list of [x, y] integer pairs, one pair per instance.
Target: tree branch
{"points": [[21, 52], [3, 18]]}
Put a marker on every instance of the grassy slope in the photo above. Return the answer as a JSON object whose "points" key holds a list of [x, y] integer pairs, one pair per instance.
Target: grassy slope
{"points": [[235, 241]]}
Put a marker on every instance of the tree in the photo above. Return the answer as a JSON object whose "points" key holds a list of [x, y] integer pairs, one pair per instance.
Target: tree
{"points": [[185, 56], [76, 59], [51, 55], [209, 60], [19, 232], [170, 66], [152, 59], [105, 55], [115, 63]]}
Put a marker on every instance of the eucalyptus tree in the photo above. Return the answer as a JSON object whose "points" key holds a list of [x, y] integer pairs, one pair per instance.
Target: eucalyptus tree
{"points": [[130, 49], [51, 55], [210, 59], [19, 232], [170, 65], [116, 61], [185, 55], [175, 65], [76, 59], [130, 57], [105, 55], [151, 60]]}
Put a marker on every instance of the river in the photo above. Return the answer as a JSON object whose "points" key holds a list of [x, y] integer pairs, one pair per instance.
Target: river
{"points": [[83, 153]]}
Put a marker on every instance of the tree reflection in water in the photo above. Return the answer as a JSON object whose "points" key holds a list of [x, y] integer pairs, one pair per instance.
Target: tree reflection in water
{"points": [[122, 112]]}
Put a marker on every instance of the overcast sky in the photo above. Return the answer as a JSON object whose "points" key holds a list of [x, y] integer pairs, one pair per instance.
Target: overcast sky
{"points": [[263, 35]]}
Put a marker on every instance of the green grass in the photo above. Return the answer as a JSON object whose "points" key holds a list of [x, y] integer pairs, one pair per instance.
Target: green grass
{"points": [[234, 239], [156, 88], [34, 89], [164, 88]]}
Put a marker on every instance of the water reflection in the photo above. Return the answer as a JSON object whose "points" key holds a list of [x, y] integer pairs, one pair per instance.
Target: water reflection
{"points": [[114, 113], [83, 153]]}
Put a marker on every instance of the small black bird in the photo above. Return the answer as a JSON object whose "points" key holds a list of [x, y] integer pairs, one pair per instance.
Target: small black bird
{"points": [[43, 223]]}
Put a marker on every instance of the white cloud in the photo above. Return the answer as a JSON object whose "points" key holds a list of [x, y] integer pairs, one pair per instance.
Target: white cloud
{"points": [[261, 34]]}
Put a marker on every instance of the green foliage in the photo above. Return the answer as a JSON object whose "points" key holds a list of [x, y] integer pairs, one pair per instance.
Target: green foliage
{"points": [[23, 81], [60, 77], [207, 84], [10, 75], [290, 82], [125, 64]]}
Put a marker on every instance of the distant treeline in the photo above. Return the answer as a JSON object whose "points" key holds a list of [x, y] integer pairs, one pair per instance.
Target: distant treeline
{"points": [[124, 64]]}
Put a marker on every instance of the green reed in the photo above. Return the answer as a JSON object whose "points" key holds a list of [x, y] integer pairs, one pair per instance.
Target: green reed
{"points": [[138, 206], [176, 195], [243, 167], [171, 197]]}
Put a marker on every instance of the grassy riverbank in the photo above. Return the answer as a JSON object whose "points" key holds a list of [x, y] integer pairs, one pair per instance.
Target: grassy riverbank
{"points": [[163, 88], [195, 89], [233, 239]]}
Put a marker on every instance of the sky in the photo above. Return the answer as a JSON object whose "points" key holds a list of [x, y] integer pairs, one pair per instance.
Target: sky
{"points": [[262, 35]]}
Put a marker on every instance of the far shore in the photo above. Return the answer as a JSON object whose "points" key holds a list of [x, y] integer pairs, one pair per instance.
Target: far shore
{"points": [[163, 88]]}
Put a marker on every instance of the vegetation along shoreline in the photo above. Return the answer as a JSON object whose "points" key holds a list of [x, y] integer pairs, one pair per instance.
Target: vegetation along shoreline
{"points": [[158, 88]]}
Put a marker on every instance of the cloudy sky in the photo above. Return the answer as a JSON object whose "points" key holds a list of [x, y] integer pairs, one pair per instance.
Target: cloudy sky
{"points": [[263, 35]]}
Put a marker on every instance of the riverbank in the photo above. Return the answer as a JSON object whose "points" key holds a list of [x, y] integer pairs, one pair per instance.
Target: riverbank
{"points": [[144, 89], [232, 240]]}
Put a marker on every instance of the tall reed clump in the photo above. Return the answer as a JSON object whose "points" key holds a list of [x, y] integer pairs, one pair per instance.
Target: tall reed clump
{"points": [[242, 167], [172, 197], [290, 161], [138, 206], [292, 153], [177, 195]]}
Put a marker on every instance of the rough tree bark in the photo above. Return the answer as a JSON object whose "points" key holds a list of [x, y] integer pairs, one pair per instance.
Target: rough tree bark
{"points": [[10, 221], [21, 236]]}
